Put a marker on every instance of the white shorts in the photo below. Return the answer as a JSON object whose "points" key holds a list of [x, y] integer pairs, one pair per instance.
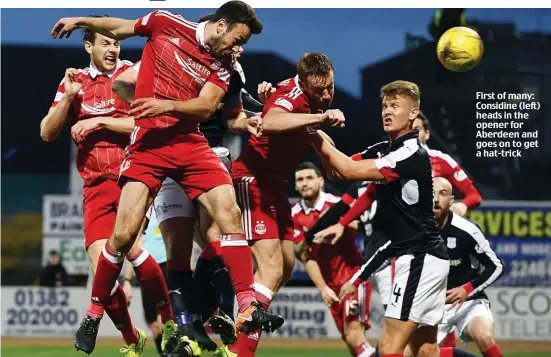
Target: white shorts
{"points": [[460, 319], [382, 282], [172, 201], [419, 290]]}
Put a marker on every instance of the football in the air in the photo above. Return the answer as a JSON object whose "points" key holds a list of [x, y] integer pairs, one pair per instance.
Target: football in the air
{"points": [[460, 49]]}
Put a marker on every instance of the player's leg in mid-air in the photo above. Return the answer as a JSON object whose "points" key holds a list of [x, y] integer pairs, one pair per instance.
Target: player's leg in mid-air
{"points": [[174, 211], [100, 207], [133, 203], [266, 218], [204, 177], [210, 264], [212, 277]]}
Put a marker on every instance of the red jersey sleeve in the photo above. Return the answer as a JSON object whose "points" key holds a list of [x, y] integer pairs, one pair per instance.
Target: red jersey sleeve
{"points": [[60, 93], [151, 24], [221, 77], [360, 205], [288, 97], [461, 182]]}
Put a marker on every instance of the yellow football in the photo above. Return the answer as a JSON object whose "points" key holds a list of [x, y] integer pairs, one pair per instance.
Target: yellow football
{"points": [[460, 49]]}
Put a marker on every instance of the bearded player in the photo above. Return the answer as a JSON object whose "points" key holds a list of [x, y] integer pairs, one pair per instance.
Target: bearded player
{"points": [[289, 116], [176, 215], [84, 97], [330, 266], [171, 101]]}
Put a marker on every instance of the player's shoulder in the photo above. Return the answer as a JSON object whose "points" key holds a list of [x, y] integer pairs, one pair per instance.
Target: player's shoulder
{"points": [[289, 95], [331, 198], [375, 150], [126, 63], [468, 227], [441, 156], [175, 18], [409, 151], [296, 209]]}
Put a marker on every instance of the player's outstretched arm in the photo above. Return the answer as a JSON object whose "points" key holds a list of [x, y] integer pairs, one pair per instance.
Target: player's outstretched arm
{"points": [[82, 128], [277, 120], [115, 28], [243, 124], [344, 165], [200, 108]]}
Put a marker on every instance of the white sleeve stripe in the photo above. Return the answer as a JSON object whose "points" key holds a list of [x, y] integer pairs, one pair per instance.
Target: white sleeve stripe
{"points": [[482, 242], [396, 156], [362, 268], [497, 271]]}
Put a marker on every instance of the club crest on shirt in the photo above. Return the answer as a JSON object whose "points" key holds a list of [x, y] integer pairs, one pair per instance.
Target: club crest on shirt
{"points": [[216, 65], [260, 227], [452, 242]]}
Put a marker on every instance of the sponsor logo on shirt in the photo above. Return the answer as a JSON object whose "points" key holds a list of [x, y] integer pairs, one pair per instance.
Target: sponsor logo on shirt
{"points": [[460, 175], [452, 243], [284, 103]]}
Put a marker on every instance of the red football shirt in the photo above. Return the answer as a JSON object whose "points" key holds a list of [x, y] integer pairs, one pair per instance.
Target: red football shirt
{"points": [[339, 262], [100, 155], [273, 157], [444, 166], [175, 65]]}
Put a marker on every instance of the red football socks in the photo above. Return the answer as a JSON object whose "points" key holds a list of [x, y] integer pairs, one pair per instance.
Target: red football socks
{"points": [[107, 272], [239, 262], [493, 351], [151, 278]]}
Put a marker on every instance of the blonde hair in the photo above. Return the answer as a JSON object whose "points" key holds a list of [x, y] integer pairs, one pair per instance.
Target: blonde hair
{"points": [[406, 88]]}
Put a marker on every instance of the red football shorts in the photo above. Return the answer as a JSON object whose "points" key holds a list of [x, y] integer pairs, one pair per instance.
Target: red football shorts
{"points": [[154, 154], [100, 210], [355, 307], [266, 210]]}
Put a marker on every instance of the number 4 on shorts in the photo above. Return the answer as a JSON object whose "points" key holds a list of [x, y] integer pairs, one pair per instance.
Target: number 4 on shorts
{"points": [[397, 292]]}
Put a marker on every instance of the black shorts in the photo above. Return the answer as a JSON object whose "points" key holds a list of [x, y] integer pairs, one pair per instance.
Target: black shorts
{"points": [[149, 308]]}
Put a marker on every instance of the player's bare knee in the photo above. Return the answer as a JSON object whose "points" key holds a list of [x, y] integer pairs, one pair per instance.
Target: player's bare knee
{"points": [[123, 238], [484, 340], [428, 350], [354, 337]]}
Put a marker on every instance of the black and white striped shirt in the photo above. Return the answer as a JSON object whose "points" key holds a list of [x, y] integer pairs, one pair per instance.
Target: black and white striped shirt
{"points": [[473, 263], [405, 202]]}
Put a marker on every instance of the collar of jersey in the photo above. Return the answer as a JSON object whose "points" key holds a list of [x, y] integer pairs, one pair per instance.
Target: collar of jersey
{"points": [[200, 33], [448, 222], [94, 72], [398, 142], [317, 207]]}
